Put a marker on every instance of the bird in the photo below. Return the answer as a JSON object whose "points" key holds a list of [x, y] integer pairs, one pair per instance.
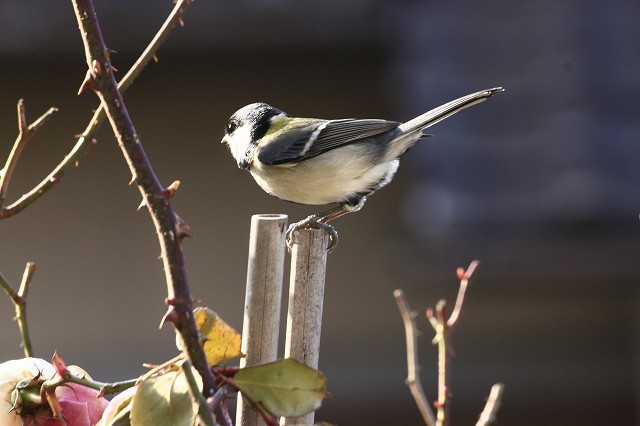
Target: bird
{"points": [[319, 162]]}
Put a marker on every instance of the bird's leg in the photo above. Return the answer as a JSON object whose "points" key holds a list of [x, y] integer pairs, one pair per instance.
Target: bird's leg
{"points": [[319, 221]]}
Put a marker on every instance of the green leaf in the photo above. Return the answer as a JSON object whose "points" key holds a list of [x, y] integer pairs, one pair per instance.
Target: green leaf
{"points": [[285, 388], [164, 401]]}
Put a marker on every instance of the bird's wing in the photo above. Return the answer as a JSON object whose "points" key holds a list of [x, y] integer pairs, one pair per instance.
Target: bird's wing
{"points": [[316, 137]]}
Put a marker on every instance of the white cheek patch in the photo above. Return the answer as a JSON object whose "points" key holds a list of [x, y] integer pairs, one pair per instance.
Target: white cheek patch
{"points": [[239, 143]]}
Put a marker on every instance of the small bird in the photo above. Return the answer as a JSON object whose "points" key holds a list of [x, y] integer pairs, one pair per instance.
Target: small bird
{"points": [[314, 161]]}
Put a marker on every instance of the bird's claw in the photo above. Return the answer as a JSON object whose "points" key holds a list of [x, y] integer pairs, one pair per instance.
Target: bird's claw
{"points": [[312, 222]]}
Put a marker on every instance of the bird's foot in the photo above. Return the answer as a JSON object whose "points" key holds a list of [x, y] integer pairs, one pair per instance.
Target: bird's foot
{"points": [[312, 222]]}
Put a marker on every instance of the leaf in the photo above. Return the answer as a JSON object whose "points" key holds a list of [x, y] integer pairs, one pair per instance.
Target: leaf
{"points": [[165, 401], [222, 342], [285, 388], [118, 412], [123, 418]]}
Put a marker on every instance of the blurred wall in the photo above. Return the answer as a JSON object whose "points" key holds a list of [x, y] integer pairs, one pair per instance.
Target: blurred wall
{"points": [[539, 183]]}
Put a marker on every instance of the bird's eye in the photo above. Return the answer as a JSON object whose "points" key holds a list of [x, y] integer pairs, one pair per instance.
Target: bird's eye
{"points": [[231, 126]]}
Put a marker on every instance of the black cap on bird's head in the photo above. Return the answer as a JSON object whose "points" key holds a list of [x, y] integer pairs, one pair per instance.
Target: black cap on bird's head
{"points": [[246, 127], [257, 115]]}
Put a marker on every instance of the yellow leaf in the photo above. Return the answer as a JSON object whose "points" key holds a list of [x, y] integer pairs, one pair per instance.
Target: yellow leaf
{"points": [[222, 342]]}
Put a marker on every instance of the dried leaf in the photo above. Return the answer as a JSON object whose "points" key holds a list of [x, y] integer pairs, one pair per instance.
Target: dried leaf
{"points": [[222, 342]]}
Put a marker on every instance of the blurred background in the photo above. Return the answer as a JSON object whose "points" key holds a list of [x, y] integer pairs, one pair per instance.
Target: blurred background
{"points": [[540, 183]]}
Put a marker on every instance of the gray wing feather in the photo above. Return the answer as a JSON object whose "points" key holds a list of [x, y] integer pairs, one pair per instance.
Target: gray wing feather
{"points": [[285, 149]]}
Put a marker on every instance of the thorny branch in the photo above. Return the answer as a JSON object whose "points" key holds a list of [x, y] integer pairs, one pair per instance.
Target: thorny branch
{"points": [[86, 139], [155, 195], [156, 198]]}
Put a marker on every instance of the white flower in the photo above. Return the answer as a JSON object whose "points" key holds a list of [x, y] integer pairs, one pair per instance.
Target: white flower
{"points": [[80, 406], [12, 372]]}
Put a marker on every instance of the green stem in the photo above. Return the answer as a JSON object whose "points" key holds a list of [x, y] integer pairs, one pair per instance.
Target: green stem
{"points": [[19, 300], [104, 388], [203, 408]]}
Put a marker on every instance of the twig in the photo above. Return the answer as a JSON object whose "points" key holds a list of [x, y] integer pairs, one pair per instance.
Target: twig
{"points": [[439, 323], [19, 300], [488, 415], [86, 138], [203, 409], [411, 334], [464, 277], [443, 328], [25, 131], [155, 195]]}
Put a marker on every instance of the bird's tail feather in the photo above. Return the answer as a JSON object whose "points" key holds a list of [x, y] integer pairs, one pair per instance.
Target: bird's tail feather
{"points": [[440, 113]]}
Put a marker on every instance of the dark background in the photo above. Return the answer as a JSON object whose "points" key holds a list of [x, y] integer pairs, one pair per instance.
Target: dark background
{"points": [[540, 183]]}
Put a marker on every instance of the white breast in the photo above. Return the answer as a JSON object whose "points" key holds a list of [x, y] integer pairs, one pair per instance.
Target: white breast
{"points": [[329, 178]]}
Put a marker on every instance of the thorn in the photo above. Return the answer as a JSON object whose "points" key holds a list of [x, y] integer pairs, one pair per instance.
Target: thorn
{"points": [[108, 52], [59, 364], [96, 68], [182, 224], [182, 234], [86, 83], [171, 190], [171, 315]]}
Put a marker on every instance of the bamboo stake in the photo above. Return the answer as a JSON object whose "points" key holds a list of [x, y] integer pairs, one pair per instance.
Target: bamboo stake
{"points": [[306, 294], [265, 271]]}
